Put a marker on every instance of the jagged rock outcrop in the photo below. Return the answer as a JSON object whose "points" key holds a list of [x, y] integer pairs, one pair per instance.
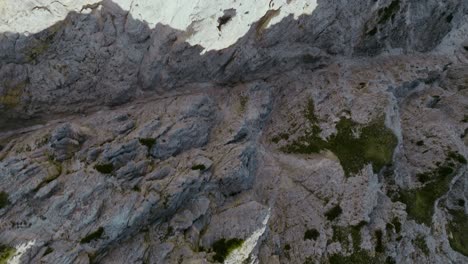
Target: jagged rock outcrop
{"points": [[180, 133]]}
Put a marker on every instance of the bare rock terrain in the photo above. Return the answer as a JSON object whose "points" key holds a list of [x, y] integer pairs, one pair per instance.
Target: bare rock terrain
{"points": [[327, 132]]}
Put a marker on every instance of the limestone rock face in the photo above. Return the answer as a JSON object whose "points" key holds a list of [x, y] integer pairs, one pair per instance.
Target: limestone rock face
{"points": [[283, 131]]}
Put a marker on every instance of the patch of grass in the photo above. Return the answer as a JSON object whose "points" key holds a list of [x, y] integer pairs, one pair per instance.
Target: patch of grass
{"points": [[455, 156], [105, 168], [243, 100], [199, 167], [12, 97], [148, 142], [420, 202], [223, 248], [341, 234], [465, 119], [390, 260], [279, 137], [93, 236], [311, 234], [449, 18], [358, 255], [333, 213], [52, 176], [397, 224], [4, 200], [6, 252], [265, 20], [372, 32], [457, 228], [37, 51], [48, 251], [374, 144], [309, 260], [379, 247], [311, 142], [420, 242]]}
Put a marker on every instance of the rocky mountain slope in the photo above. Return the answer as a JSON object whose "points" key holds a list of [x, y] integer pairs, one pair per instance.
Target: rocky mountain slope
{"points": [[207, 131]]}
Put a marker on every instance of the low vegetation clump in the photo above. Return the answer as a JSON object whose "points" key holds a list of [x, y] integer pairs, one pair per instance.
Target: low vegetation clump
{"points": [[420, 202], [105, 168], [420, 242], [199, 167], [12, 96], [148, 142], [397, 224], [465, 117], [243, 103], [357, 255], [278, 138], [6, 252], [341, 234], [374, 145], [379, 247], [457, 228], [53, 175], [354, 144], [48, 251], [223, 248], [333, 213], [4, 200], [93, 236], [311, 234]]}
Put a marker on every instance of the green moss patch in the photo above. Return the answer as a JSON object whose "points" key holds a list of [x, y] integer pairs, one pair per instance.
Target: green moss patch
{"points": [[6, 252], [243, 100], [420, 202], [311, 234], [53, 174], [48, 251], [93, 236], [375, 145], [148, 142], [310, 142], [354, 144], [457, 228], [12, 97], [379, 247], [105, 168], [333, 213], [4, 200], [341, 234], [223, 248], [420, 242], [199, 167], [279, 137], [358, 255], [397, 224]]}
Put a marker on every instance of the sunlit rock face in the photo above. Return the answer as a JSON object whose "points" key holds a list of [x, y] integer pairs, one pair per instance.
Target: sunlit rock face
{"points": [[213, 24], [202, 132]]}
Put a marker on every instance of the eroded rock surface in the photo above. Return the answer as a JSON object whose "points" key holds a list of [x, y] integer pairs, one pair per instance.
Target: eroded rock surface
{"points": [[333, 136]]}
